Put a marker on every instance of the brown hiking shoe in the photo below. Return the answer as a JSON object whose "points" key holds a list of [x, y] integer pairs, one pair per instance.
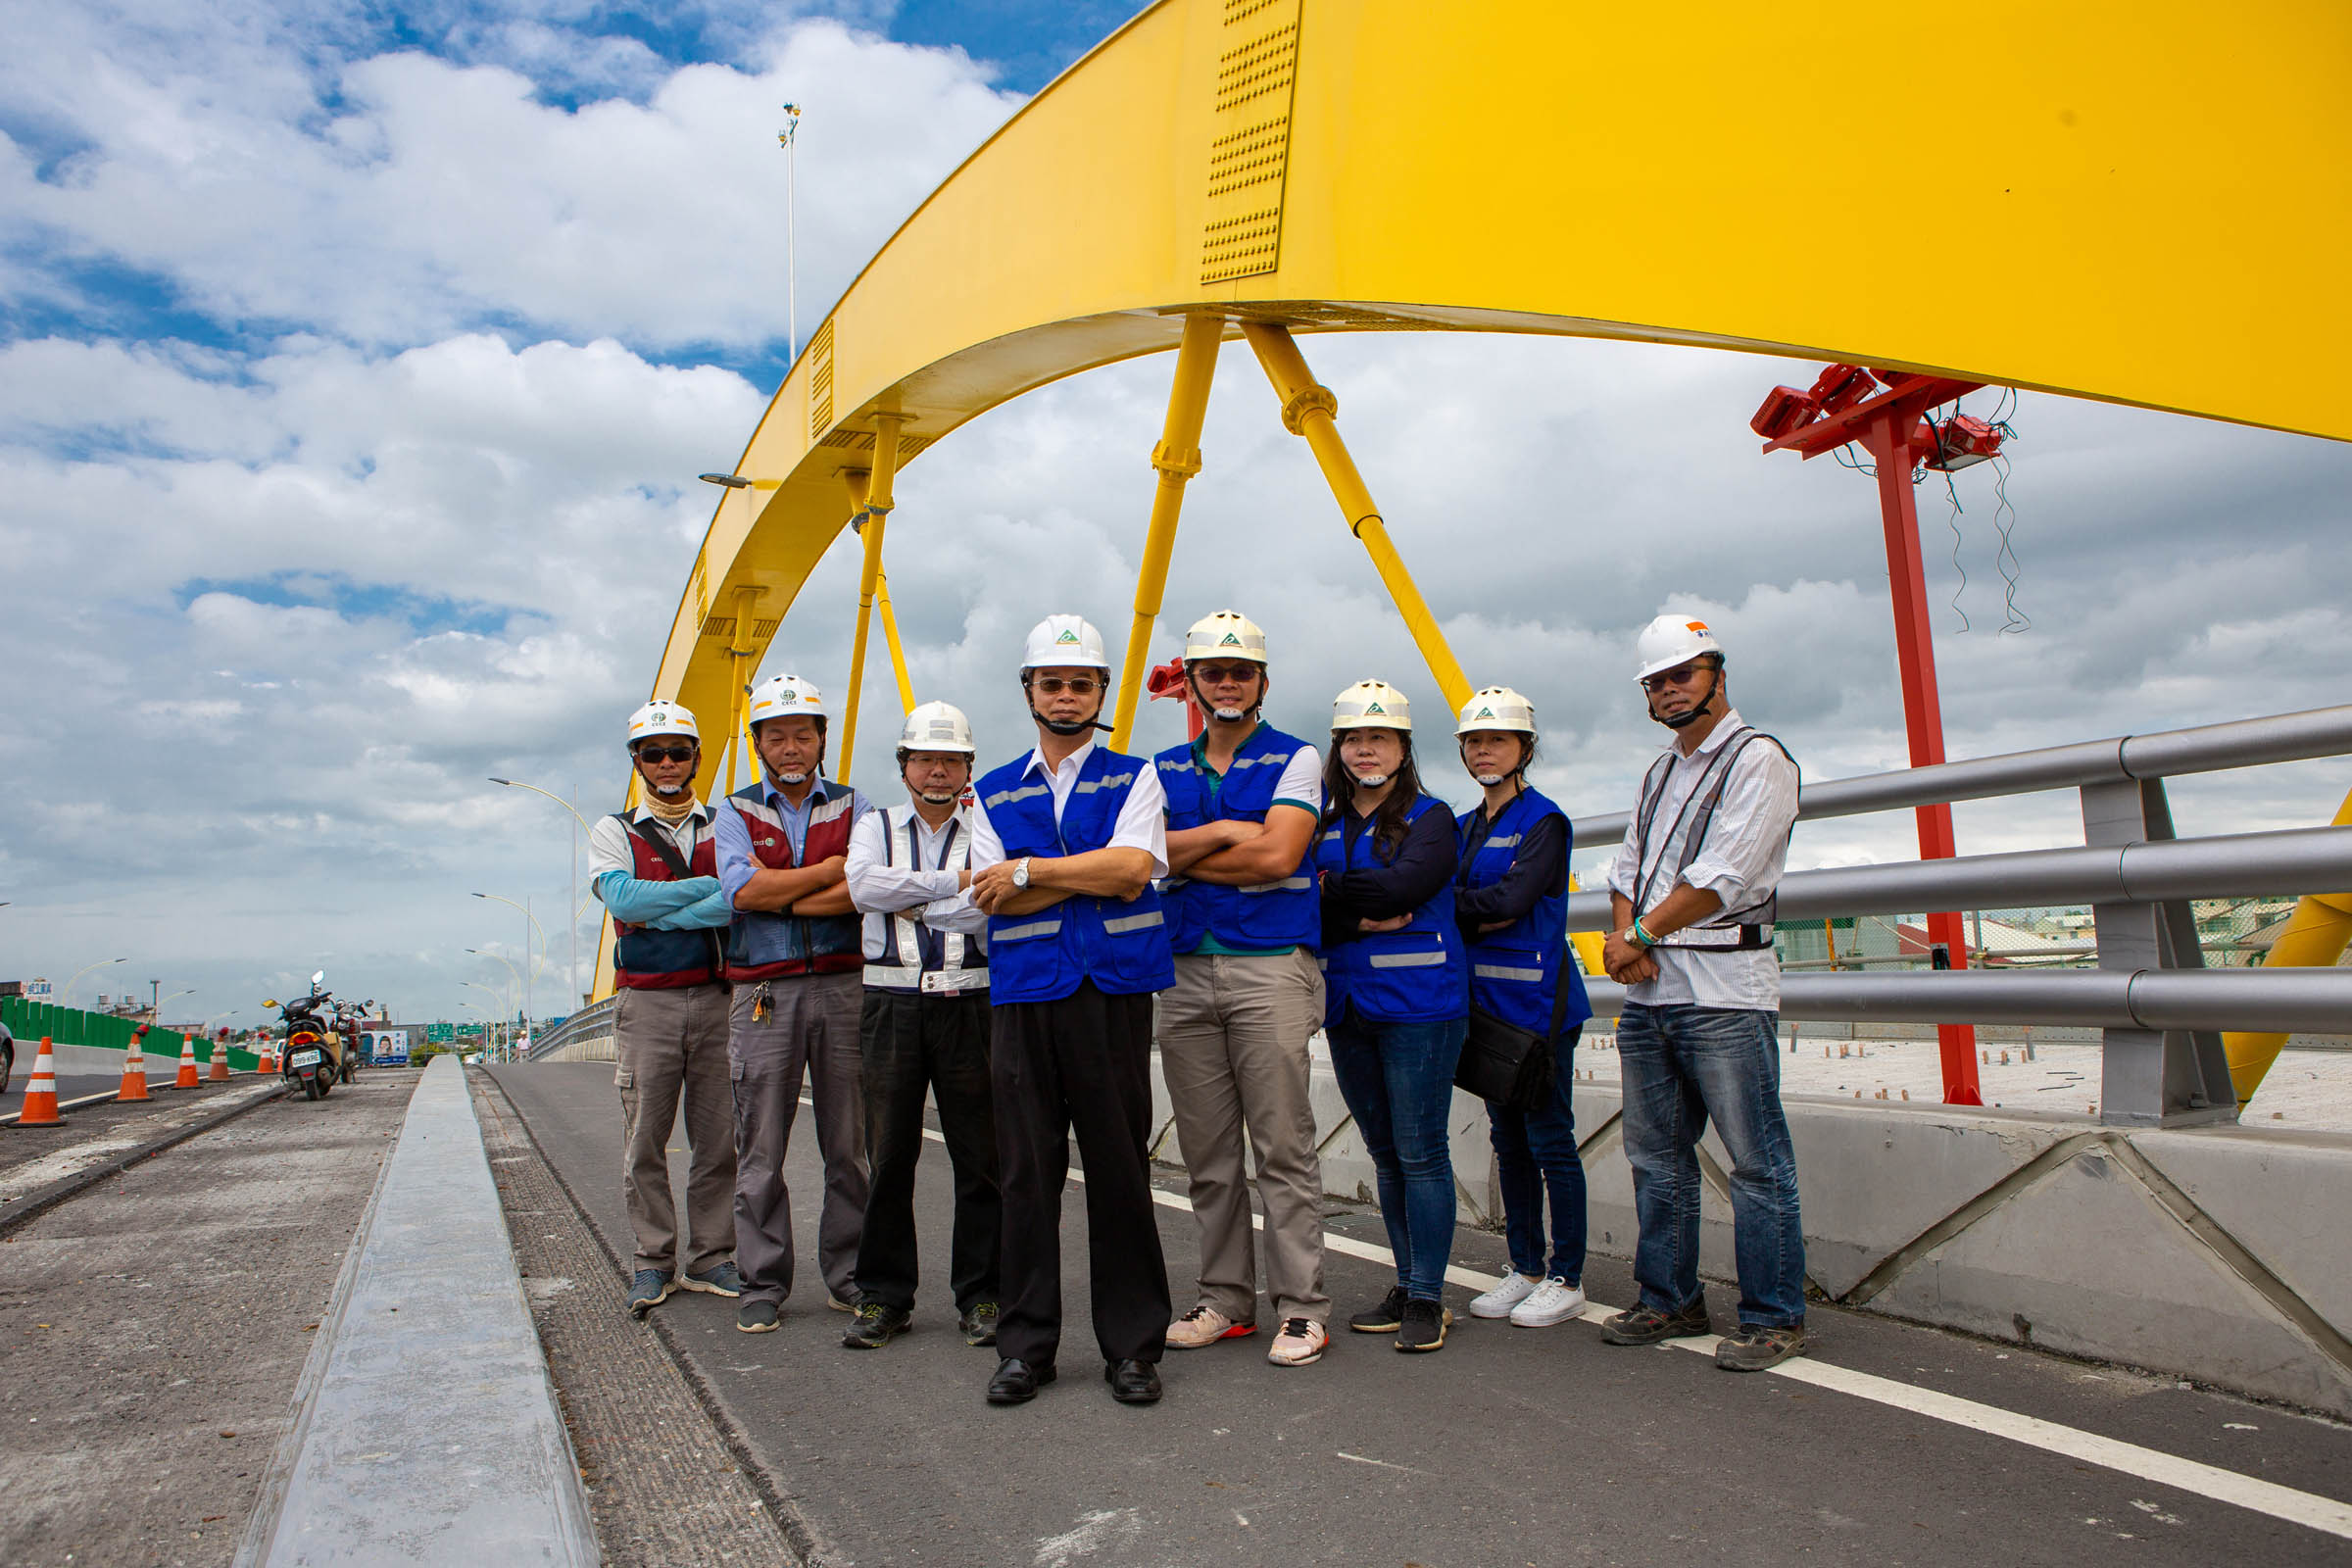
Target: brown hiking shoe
{"points": [[1646, 1325], [1754, 1347]]}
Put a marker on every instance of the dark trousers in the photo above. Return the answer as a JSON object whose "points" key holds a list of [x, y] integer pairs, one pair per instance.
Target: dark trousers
{"points": [[1081, 1065], [913, 1042]]}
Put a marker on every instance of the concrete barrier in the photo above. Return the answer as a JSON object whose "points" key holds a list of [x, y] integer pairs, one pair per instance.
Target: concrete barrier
{"points": [[425, 1430], [2215, 1254]]}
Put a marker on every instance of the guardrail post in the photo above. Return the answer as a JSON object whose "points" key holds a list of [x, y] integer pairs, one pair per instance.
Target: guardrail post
{"points": [[2150, 1077]]}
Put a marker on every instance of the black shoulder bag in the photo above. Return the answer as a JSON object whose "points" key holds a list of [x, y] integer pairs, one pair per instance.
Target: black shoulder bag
{"points": [[1509, 1067]]}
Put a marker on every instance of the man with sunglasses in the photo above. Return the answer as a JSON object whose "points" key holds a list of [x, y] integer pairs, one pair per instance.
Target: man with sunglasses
{"points": [[1245, 921], [657, 873], [1691, 896], [1066, 844]]}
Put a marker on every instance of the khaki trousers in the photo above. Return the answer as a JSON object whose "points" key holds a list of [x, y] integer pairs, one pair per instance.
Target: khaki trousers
{"points": [[811, 1030], [1232, 1036], [672, 1044]]}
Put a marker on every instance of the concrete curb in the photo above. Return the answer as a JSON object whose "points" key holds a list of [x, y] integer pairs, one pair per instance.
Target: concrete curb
{"points": [[801, 1536], [429, 1435], [41, 1199]]}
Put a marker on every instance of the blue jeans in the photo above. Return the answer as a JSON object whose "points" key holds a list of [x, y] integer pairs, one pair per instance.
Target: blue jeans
{"points": [[1535, 1155], [1398, 1079], [1683, 1065]]}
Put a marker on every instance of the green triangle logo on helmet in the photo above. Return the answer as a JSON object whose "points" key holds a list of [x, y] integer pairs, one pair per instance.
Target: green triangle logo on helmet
{"points": [[1374, 706], [1067, 636], [1229, 641], [1485, 712]]}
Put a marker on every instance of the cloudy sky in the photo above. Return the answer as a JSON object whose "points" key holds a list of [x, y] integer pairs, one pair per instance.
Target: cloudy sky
{"points": [[357, 361]]}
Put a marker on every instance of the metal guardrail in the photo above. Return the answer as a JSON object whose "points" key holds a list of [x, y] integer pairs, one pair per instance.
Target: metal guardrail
{"points": [[2286, 999], [586, 1027], [2163, 1012], [2164, 754], [2291, 861]]}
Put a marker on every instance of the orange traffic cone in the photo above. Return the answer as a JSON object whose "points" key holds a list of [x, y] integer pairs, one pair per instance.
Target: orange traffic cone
{"points": [[40, 1092], [267, 1056], [134, 1069], [220, 1072], [187, 1078]]}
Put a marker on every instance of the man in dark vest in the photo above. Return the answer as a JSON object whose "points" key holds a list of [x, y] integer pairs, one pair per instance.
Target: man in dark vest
{"points": [[657, 873], [925, 1028], [1066, 842], [794, 961]]}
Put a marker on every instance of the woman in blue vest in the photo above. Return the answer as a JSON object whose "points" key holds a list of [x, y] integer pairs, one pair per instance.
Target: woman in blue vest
{"points": [[1395, 1000], [1511, 898]]}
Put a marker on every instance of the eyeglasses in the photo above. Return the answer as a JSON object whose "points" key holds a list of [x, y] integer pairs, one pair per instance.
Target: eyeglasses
{"points": [[1075, 685], [1673, 677], [665, 754], [1220, 674]]}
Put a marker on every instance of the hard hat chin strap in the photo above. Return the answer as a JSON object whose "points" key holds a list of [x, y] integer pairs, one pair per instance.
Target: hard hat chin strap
{"points": [[1226, 715], [1069, 727], [1697, 710]]}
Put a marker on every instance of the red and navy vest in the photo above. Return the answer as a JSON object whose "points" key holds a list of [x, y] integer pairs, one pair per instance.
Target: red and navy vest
{"points": [[647, 960], [764, 945]]}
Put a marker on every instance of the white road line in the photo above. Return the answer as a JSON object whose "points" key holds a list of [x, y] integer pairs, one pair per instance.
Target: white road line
{"points": [[2305, 1508]]}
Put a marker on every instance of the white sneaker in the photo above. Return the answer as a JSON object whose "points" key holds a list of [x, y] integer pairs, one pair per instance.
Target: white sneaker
{"points": [[1555, 1301], [1498, 1302]]}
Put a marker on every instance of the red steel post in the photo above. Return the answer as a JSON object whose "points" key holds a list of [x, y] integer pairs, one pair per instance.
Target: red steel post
{"points": [[1892, 441]]}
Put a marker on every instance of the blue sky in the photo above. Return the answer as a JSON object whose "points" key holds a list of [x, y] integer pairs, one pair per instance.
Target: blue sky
{"points": [[356, 364]]}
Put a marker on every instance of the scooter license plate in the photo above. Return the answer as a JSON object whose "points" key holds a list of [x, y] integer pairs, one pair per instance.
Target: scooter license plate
{"points": [[307, 1059]]}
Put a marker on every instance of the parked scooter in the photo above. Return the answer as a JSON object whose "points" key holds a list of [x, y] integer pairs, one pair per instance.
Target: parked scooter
{"points": [[348, 1016], [314, 1053]]}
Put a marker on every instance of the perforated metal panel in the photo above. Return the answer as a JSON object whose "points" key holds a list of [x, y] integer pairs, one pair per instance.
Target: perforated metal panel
{"points": [[1249, 142], [820, 382]]}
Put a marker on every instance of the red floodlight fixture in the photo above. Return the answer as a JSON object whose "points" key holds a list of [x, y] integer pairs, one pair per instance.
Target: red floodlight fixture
{"points": [[1841, 386], [1784, 409], [1963, 441]]}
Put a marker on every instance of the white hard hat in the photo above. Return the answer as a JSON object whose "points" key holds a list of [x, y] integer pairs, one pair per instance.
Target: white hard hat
{"points": [[1497, 707], [662, 718], [1371, 705], [1064, 640], [783, 696], [937, 727], [1672, 640], [1229, 633]]}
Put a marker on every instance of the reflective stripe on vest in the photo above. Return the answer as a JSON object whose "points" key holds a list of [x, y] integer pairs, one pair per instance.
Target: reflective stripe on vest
{"points": [[1747, 929], [1119, 946], [1266, 916], [901, 935]]}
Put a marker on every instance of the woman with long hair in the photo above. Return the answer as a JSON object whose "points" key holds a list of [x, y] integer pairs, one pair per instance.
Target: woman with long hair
{"points": [[1511, 899], [1396, 996]]}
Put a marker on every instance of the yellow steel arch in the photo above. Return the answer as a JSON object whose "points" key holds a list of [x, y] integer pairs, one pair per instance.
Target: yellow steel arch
{"points": [[2147, 201]]}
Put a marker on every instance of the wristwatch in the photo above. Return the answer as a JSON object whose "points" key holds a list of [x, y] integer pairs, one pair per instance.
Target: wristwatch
{"points": [[1020, 872]]}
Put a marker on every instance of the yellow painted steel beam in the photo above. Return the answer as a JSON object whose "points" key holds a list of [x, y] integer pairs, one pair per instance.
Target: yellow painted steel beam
{"points": [[1309, 409], [1178, 459], [2315, 938], [881, 488], [890, 635], [2151, 220]]}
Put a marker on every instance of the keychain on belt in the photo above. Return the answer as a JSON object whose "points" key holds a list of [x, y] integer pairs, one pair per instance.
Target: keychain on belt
{"points": [[761, 1007]]}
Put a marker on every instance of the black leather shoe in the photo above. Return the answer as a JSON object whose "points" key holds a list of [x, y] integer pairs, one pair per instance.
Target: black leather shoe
{"points": [[1016, 1382], [1131, 1382]]}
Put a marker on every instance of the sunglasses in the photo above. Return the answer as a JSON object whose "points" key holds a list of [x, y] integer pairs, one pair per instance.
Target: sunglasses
{"points": [[1672, 677], [1075, 685], [1220, 674], [665, 754]]}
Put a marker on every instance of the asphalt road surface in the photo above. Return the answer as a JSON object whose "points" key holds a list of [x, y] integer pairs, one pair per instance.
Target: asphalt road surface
{"points": [[1509, 1447]]}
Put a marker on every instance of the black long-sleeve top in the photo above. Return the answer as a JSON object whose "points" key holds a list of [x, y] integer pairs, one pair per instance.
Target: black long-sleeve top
{"points": [[1539, 868], [1423, 864]]}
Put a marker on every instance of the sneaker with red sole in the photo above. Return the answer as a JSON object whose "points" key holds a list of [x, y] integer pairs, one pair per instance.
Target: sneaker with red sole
{"points": [[1302, 1343], [1205, 1325]]}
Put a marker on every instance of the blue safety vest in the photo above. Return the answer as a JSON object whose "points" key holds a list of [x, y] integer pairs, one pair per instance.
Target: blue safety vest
{"points": [[1412, 975], [1515, 972], [1282, 913], [1048, 954]]}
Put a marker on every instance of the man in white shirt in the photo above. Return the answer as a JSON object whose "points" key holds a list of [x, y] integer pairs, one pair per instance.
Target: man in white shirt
{"points": [[1066, 844], [923, 1026], [1691, 896]]}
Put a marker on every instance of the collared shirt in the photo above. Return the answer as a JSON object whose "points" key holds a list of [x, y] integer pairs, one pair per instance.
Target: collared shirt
{"points": [[1142, 815], [1740, 862], [794, 817], [1300, 785], [882, 886], [608, 842], [737, 865]]}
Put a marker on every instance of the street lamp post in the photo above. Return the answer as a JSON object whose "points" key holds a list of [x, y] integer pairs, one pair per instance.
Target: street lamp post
{"points": [[790, 136], [497, 1019], [79, 974], [571, 974], [529, 973]]}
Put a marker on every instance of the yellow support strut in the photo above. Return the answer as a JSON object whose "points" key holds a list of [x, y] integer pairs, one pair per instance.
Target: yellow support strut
{"points": [[1307, 410], [742, 660], [1178, 459], [2315, 938], [890, 635], [878, 503]]}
